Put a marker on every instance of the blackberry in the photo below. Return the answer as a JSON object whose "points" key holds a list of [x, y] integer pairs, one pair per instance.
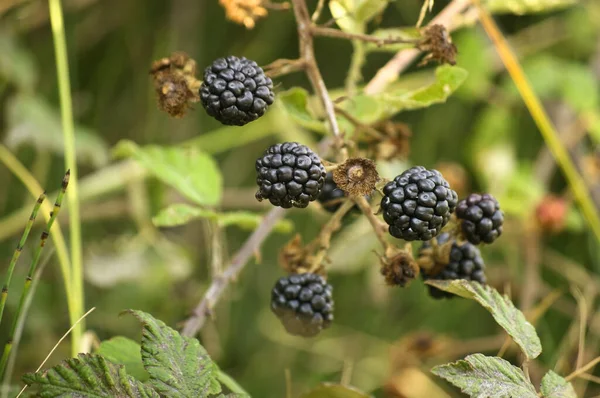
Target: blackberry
{"points": [[289, 175], [303, 303], [236, 91], [465, 262], [417, 204], [481, 218]]}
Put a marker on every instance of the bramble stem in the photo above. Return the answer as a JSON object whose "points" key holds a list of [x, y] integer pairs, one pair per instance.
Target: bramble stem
{"points": [[340, 34], [193, 324], [324, 239], [307, 53], [66, 110], [17, 253]]}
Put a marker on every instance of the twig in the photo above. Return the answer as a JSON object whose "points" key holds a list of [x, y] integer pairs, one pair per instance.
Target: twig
{"points": [[324, 239], [340, 34], [403, 58], [378, 227], [283, 67], [193, 324], [360, 125], [583, 369], [307, 53], [318, 11]]}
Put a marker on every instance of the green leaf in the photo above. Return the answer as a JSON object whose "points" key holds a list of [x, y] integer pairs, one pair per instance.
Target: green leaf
{"points": [[124, 351], [490, 377], [366, 10], [181, 213], [192, 172], [409, 33], [399, 98], [31, 120], [17, 65], [555, 386], [343, 12], [179, 366], [328, 390], [88, 376], [502, 309], [521, 7], [295, 103]]}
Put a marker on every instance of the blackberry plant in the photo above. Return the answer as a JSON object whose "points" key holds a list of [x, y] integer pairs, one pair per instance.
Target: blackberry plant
{"points": [[356, 127]]}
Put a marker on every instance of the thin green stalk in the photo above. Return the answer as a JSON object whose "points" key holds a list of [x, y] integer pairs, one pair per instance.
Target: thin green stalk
{"points": [[66, 110], [541, 119], [356, 63], [17, 253], [28, 280], [230, 383], [10, 367], [17, 168]]}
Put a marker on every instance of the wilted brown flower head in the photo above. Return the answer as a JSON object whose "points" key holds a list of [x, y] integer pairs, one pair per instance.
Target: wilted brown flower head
{"points": [[175, 83], [433, 260], [395, 142], [244, 12], [296, 258], [356, 176], [399, 268], [438, 45]]}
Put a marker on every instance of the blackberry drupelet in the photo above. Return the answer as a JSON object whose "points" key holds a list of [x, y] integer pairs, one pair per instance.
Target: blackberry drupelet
{"points": [[331, 196], [289, 175], [303, 303], [465, 262], [417, 204], [236, 91], [481, 218]]}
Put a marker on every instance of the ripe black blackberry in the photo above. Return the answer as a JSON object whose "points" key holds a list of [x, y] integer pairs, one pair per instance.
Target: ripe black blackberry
{"points": [[236, 91], [289, 175], [417, 204], [303, 303], [481, 218], [465, 262]]}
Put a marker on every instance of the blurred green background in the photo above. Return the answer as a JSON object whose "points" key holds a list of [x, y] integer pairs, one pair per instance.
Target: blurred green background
{"points": [[381, 336]]}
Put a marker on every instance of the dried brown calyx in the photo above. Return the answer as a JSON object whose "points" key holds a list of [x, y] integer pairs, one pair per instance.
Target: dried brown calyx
{"points": [[395, 142], [244, 12], [175, 83], [356, 176], [296, 258], [438, 45], [432, 260], [398, 267]]}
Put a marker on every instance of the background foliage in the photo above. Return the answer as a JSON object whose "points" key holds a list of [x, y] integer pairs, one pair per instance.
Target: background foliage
{"points": [[383, 339]]}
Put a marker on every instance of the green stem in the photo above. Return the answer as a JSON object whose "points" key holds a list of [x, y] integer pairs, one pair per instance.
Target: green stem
{"points": [[34, 262], [17, 253], [230, 383], [66, 110], [356, 63]]}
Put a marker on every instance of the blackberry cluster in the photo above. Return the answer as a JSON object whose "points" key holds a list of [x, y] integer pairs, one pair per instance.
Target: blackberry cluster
{"points": [[465, 262], [417, 204], [303, 303], [289, 175], [481, 218], [236, 91]]}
